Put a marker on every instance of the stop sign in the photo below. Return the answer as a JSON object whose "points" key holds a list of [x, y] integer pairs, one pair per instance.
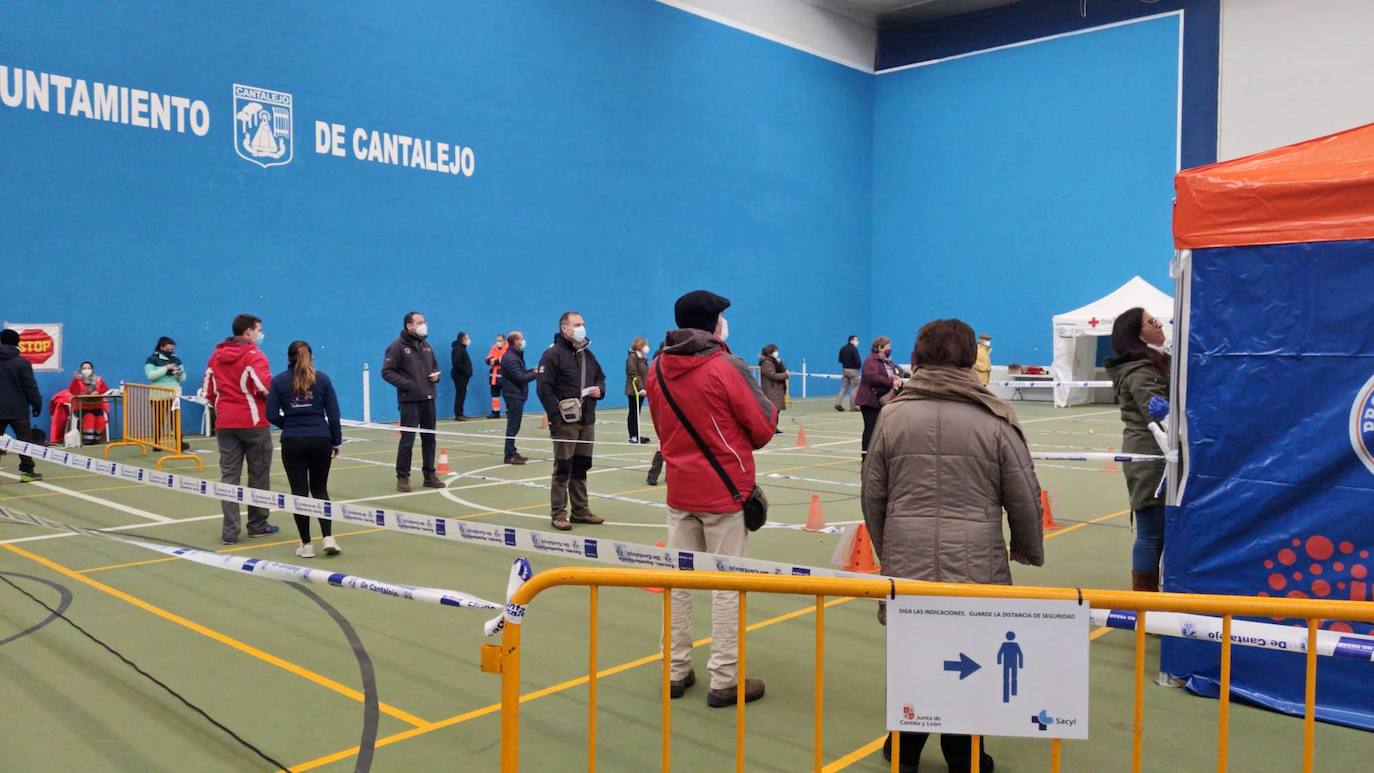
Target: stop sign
{"points": [[36, 346]]}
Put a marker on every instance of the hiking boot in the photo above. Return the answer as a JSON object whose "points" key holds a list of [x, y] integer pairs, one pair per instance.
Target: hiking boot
{"points": [[331, 548], [461, 418], [305, 550], [228, 540], [839, 408], [679, 686], [30, 477], [560, 522], [264, 531], [493, 415], [403, 484], [523, 459], [729, 696], [517, 459], [589, 519], [432, 481]]}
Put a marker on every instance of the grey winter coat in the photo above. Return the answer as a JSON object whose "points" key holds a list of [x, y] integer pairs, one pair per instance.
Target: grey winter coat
{"points": [[938, 474], [1136, 380], [773, 379]]}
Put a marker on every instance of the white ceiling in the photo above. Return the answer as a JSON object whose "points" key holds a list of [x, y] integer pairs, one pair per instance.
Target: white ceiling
{"points": [[880, 13]]}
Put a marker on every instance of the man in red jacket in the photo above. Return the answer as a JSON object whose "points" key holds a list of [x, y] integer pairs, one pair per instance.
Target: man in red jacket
{"points": [[236, 384], [719, 398]]}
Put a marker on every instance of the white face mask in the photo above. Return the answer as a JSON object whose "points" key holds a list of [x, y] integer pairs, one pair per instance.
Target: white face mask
{"points": [[422, 330], [644, 351], [519, 346], [722, 328], [257, 337], [579, 333], [86, 372], [777, 355]]}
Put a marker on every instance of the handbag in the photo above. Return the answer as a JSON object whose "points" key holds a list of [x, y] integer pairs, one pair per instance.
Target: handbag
{"points": [[755, 506], [570, 409]]}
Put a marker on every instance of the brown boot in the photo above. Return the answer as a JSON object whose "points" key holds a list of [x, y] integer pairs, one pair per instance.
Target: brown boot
{"points": [[402, 484], [588, 519], [432, 481], [1143, 581], [729, 696]]}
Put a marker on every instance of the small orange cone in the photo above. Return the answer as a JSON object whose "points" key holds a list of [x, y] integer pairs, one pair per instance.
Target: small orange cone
{"points": [[861, 555], [655, 590], [1047, 511], [801, 438], [443, 469], [815, 519], [1110, 465], [543, 421]]}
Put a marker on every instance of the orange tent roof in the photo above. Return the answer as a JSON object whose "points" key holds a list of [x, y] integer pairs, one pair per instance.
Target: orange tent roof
{"points": [[1319, 190]]}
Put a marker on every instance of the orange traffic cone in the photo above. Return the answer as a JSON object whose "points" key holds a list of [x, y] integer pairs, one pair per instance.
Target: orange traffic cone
{"points": [[801, 438], [815, 519], [861, 554], [654, 590], [1110, 465], [443, 468], [1047, 511]]}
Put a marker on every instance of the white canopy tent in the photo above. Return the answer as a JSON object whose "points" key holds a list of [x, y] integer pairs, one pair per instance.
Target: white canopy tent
{"points": [[1076, 333]]}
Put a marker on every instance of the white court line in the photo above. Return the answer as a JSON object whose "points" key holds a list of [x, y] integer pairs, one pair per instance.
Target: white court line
{"points": [[96, 500], [1068, 418], [129, 527]]}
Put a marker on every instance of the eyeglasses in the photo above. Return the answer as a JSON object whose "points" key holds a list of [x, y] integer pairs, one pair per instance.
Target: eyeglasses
{"points": [[1152, 322]]}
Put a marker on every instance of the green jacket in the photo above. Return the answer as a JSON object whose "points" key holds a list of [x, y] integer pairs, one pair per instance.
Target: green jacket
{"points": [[1136, 380], [155, 369]]}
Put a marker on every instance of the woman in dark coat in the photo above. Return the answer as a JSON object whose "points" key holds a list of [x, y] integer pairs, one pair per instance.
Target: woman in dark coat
{"points": [[773, 377], [461, 373], [879, 381], [1140, 376], [636, 373]]}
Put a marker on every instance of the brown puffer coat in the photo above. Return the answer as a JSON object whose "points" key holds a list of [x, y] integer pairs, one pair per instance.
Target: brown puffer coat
{"points": [[773, 379], [938, 475], [636, 375]]}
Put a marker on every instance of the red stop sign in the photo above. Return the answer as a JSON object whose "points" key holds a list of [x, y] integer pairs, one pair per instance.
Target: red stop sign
{"points": [[36, 346]]}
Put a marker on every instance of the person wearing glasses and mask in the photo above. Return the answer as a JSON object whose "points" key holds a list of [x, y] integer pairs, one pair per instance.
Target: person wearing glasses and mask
{"points": [[570, 385]]}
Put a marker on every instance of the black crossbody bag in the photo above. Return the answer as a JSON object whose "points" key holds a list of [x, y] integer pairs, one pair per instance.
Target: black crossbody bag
{"points": [[755, 506]]}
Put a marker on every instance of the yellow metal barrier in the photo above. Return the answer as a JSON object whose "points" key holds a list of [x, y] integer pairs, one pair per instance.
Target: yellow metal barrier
{"points": [[507, 659], [152, 422]]}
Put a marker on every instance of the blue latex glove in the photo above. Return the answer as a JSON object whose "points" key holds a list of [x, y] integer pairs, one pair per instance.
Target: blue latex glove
{"points": [[1158, 408]]}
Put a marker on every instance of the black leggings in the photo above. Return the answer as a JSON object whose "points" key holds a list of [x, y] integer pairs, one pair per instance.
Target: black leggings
{"points": [[870, 421], [307, 461], [634, 419]]}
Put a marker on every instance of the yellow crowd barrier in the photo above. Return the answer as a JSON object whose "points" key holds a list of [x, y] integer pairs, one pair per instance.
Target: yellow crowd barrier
{"points": [[152, 422], [505, 659]]}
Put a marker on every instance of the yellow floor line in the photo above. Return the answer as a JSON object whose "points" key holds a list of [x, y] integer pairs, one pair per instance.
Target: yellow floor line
{"points": [[77, 490], [240, 549], [1077, 526], [224, 639], [494, 708]]}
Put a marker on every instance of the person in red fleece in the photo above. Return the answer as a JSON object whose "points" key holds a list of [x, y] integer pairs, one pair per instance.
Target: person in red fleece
{"points": [[92, 412], [721, 400], [237, 384]]}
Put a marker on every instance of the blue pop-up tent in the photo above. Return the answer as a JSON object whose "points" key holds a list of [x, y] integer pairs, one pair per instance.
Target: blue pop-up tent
{"points": [[1275, 337]]}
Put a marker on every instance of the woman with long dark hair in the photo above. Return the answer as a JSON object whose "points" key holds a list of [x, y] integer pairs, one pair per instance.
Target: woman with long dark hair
{"points": [[1140, 376], [878, 383], [302, 403]]}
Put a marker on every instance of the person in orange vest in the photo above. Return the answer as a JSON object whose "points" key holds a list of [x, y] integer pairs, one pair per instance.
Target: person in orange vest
{"points": [[494, 355]]}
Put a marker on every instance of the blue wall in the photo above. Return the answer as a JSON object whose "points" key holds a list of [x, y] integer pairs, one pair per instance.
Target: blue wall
{"points": [[1012, 185], [625, 152]]}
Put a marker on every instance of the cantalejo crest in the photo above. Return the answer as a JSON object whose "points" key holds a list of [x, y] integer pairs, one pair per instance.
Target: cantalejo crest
{"points": [[262, 125]]}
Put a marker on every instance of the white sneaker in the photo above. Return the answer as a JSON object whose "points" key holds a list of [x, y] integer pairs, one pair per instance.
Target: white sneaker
{"points": [[305, 550], [331, 548]]}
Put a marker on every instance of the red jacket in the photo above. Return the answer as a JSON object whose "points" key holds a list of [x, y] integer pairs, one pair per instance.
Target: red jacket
{"points": [[725, 405], [236, 383]]}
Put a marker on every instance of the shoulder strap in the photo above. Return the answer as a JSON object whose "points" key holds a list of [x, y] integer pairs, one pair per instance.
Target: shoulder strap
{"points": [[701, 444]]}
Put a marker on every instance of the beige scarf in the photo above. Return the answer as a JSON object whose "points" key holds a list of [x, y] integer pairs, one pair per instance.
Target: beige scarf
{"points": [[943, 382]]}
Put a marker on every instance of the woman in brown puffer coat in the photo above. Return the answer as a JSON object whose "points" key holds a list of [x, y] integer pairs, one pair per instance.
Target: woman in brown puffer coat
{"points": [[773, 377], [946, 458]]}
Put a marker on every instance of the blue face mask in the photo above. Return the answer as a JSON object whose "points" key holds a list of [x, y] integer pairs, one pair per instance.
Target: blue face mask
{"points": [[579, 333]]}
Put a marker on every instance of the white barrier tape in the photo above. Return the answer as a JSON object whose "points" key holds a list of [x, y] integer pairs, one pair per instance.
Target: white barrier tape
{"points": [[520, 572], [1050, 384], [453, 529], [476, 435], [1094, 456], [779, 476], [275, 570], [1244, 633], [545, 487]]}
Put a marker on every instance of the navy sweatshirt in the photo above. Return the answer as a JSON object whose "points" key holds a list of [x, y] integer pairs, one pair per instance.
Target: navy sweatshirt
{"points": [[313, 414]]}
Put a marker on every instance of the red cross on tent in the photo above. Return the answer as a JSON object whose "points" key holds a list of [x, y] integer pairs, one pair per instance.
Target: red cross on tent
{"points": [[1093, 322]]}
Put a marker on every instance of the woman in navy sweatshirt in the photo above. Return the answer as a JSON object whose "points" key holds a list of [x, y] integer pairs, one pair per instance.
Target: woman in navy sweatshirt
{"points": [[302, 403]]}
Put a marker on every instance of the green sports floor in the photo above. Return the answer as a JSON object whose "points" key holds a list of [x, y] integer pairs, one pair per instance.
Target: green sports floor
{"points": [[332, 679]]}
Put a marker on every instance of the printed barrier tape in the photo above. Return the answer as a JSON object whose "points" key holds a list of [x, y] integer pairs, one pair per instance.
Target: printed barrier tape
{"points": [[276, 570], [481, 534], [479, 436], [1244, 633], [1048, 384]]}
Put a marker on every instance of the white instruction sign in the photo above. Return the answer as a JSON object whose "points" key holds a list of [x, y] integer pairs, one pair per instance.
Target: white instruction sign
{"points": [[987, 667]]}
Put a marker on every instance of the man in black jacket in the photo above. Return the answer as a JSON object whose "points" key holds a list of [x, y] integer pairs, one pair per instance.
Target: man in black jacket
{"points": [[409, 365], [18, 397], [850, 365], [571, 383], [515, 387], [461, 373]]}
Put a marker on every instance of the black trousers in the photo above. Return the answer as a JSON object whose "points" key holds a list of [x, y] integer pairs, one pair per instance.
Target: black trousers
{"points": [[460, 385], [307, 461], [515, 414], [21, 432], [870, 421], [957, 749], [634, 421], [420, 415]]}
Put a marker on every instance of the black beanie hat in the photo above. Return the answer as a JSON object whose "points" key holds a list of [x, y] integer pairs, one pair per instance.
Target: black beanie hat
{"points": [[699, 309], [9, 337]]}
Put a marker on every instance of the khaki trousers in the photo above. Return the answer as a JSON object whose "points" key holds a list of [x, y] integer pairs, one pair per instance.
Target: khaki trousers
{"points": [[722, 533]]}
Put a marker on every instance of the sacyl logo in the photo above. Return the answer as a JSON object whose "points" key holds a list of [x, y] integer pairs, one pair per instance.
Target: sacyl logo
{"points": [[1042, 720]]}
